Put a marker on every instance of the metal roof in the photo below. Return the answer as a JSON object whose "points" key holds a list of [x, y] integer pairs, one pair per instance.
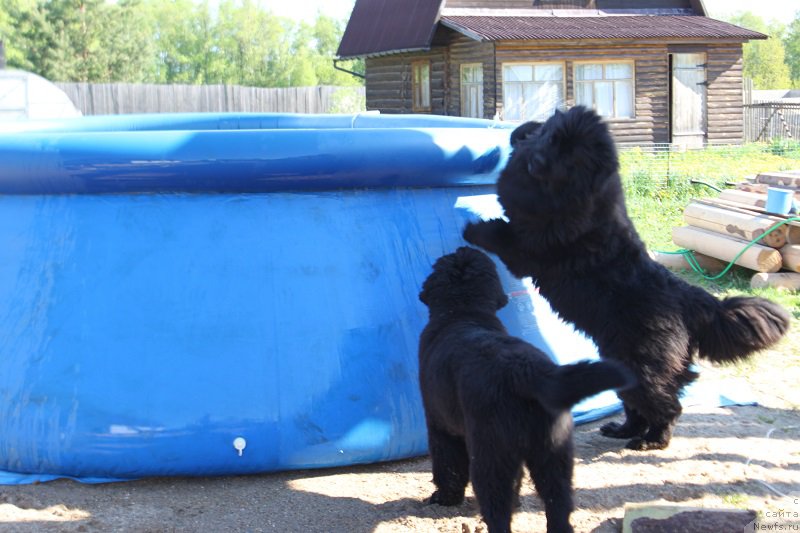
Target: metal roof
{"points": [[379, 26], [498, 28]]}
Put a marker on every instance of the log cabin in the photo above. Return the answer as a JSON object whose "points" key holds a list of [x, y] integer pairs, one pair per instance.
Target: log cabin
{"points": [[659, 71]]}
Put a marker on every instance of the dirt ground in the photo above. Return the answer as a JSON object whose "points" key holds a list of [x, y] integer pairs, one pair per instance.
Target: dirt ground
{"points": [[736, 457]]}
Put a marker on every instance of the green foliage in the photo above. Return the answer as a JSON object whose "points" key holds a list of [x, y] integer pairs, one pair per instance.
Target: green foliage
{"points": [[785, 148], [656, 204], [348, 100], [171, 41], [764, 60], [77, 40], [663, 172], [791, 43]]}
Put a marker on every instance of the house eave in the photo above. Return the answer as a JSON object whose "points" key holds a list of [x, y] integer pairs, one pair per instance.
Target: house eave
{"points": [[386, 53], [463, 31], [594, 43]]}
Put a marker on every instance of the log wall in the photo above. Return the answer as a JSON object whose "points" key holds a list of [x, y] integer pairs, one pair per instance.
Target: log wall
{"points": [[725, 110], [466, 51], [388, 83]]}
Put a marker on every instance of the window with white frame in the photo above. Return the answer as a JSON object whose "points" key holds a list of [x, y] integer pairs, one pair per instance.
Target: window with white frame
{"points": [[605, 87], [421, 85], [472, 90], [532, 91]]}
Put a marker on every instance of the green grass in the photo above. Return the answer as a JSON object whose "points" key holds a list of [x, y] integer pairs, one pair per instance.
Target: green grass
{"points": [[652, 171], [656, 200]]}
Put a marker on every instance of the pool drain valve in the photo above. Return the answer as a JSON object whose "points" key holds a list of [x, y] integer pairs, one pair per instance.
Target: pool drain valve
{"points": [[239, 443]]}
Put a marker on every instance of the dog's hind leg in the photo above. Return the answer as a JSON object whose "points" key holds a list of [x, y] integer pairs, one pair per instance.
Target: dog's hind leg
{"points": [[518, 486], [450, 467], [494, 476], [551, 470], [635, 425], [667, 409]]}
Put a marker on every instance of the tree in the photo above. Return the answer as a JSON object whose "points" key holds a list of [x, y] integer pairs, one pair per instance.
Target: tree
{"points": [[170, 41], [126, 33], [255, 45], [792, 45], [326, 33], [183, 37], [11, 11], [764, 59], [81, 40]]}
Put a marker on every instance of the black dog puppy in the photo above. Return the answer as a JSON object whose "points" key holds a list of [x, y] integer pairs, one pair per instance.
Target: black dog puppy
{"points": [[492, 401], [568, 228]]}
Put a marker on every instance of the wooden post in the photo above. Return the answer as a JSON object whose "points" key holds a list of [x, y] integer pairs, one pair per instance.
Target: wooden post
{"points": [[745, 226], [757, 257]]}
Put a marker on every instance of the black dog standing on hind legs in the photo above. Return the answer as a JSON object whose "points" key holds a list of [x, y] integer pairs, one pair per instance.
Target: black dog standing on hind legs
{"points": [[494, 402], [568, 228]]}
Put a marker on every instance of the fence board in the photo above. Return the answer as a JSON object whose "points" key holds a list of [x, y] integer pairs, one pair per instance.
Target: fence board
{"points": [[124, 98], [766, 121]]}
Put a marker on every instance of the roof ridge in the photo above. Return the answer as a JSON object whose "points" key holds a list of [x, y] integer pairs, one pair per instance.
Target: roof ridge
{"points": [[511, 12], [492, 28]]}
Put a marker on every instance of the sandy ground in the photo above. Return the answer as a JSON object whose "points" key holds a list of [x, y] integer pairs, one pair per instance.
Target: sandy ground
{"points": [[738, 457]]}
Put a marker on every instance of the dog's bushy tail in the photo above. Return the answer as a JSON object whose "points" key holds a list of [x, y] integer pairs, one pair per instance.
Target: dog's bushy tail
{"points": [[566, 385], [740, 326]]}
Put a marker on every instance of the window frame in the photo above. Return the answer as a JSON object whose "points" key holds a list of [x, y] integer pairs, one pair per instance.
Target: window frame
{"points": [[604, 63], [533, 64], [418, 89], [478, 84]]}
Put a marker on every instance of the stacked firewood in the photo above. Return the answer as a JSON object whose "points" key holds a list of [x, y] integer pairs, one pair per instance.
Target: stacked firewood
{"points": [[721, 227]]}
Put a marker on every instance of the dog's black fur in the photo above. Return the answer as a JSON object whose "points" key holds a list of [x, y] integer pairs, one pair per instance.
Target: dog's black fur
{"points": [[568, 229], [492, 401]]}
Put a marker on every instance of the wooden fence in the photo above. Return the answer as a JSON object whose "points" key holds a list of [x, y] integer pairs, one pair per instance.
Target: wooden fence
{"points": [[767, 121], [123, 98]]}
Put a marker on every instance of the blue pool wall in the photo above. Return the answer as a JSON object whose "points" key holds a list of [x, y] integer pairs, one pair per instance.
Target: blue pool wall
{"points": [[172, 283]]}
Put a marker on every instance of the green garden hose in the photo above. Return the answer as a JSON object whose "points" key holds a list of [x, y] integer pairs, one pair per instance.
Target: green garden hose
{"points": [[692, 260]]}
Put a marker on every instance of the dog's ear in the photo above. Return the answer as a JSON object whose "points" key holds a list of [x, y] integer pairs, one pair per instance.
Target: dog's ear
{"points": [[524, 131]]}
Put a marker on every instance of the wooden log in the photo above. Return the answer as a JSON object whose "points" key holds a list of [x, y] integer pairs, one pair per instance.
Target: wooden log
{"points": [[728, 204], [745, 226], [760, 188], [793, 228], [742, 197], [678, 261], [789, 180], [746, 186], [757, 257], [780, 280], [791, 257]]}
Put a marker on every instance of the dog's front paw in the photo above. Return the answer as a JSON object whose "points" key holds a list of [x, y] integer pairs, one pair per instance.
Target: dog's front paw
{"points": [[448, 500], [643, 445], [473, 232], [612, 429], [486, 234], [615, 430]]}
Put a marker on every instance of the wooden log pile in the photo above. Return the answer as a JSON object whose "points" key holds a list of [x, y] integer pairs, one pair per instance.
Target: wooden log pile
{"points": [[720, 228]]}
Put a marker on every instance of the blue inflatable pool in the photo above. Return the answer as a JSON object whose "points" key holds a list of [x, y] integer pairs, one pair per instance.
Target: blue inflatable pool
{"points": [[226, 294]]}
